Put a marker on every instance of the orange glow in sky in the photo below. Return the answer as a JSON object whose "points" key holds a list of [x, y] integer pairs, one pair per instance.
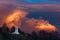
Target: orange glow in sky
{"points": [[15, 18], [45, 25]]}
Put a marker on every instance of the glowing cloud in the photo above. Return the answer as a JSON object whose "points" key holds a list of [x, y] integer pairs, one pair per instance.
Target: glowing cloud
{"points": [[38, 25], [45, 25], [15, 18]]}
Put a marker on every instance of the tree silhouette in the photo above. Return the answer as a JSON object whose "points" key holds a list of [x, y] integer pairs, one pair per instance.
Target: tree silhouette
{"points": [[34, 35], [12, 29], [5, 34]]}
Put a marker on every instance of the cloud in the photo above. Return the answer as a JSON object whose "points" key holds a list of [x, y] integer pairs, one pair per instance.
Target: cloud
{"points": [[32, 7], [51, 12], [12, 1], [56, 0], [42, 7], [31, 1], [5, 9]]}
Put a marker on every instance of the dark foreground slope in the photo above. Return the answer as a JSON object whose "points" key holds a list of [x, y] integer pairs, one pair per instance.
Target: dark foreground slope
{"points": [[5, 34]]}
